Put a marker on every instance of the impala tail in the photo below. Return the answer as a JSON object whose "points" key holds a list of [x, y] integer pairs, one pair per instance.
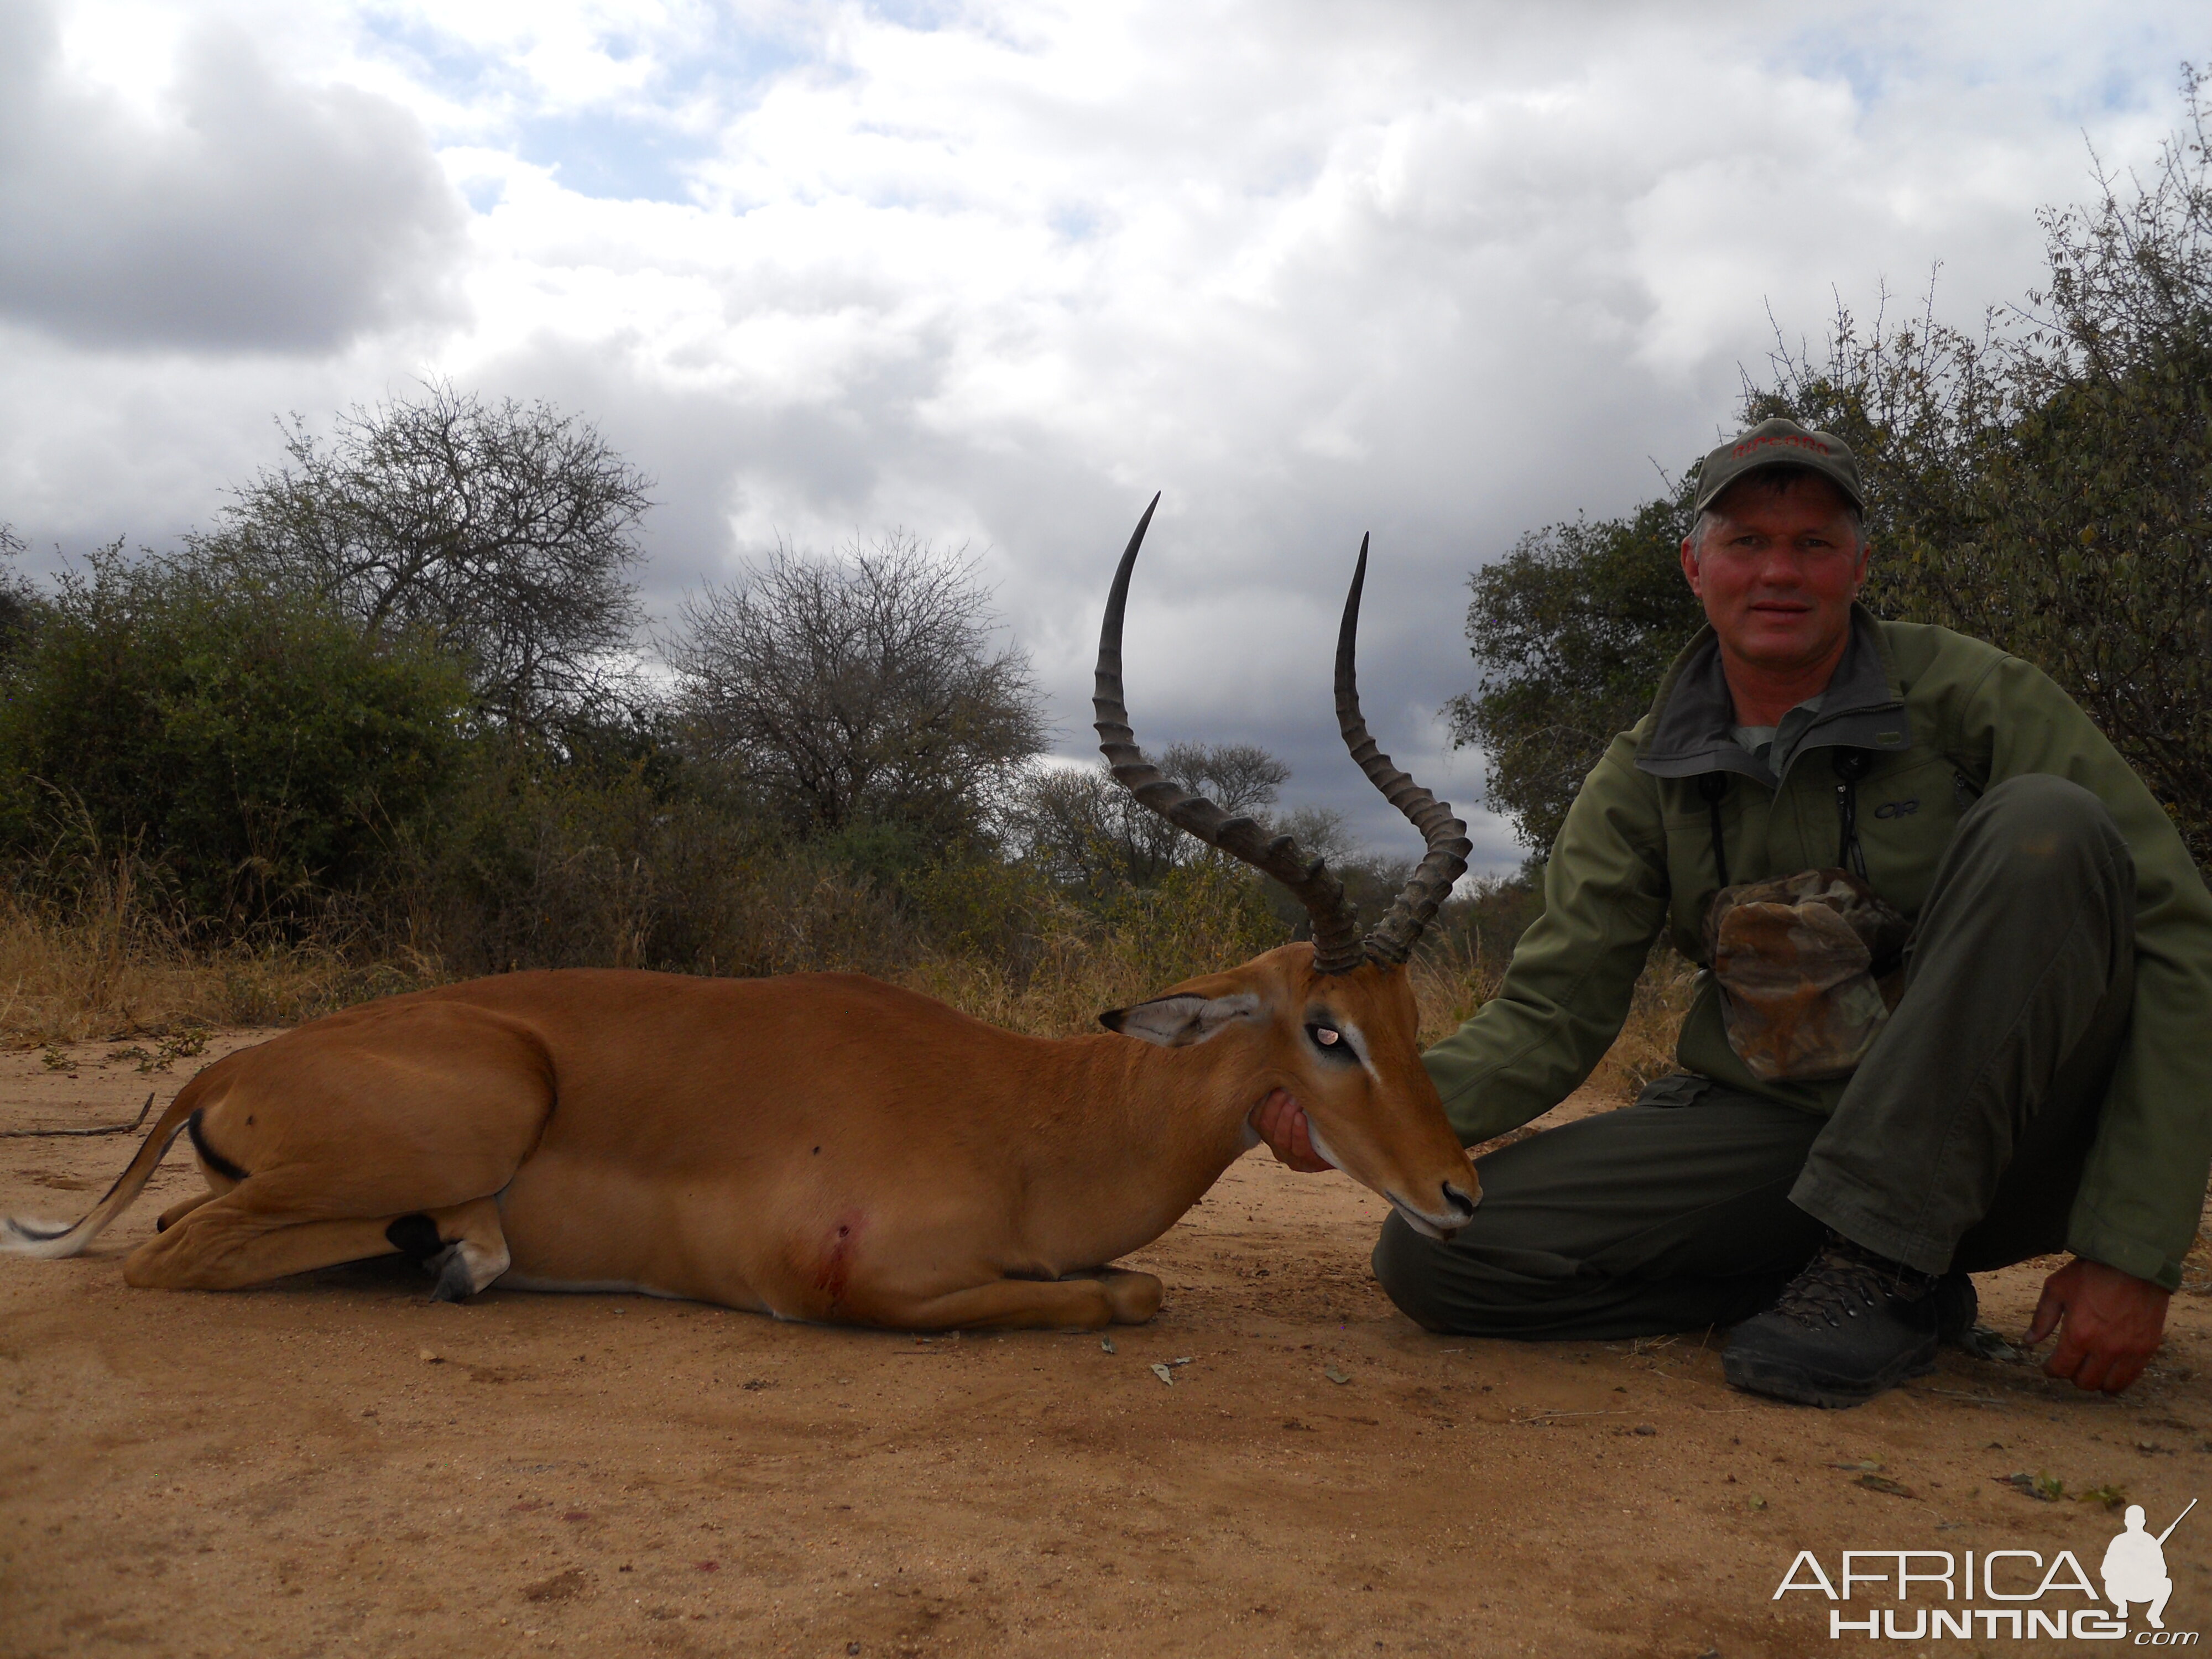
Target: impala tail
{"points": [[52, 1240]]}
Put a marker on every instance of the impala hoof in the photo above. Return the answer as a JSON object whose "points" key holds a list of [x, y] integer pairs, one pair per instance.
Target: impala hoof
{"points": [[456, 1283]]}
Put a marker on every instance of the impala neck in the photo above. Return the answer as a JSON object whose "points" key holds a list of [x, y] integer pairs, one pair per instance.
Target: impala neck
{"points": [[1137, 1135]]}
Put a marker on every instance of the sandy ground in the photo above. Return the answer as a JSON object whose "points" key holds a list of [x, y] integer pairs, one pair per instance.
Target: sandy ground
{"points": [[336, 1465]]}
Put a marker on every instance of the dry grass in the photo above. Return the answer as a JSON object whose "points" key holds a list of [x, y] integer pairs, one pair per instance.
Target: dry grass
{"points": [[1645, 1048], [109, 967], [112, 970], [1449, 984]]}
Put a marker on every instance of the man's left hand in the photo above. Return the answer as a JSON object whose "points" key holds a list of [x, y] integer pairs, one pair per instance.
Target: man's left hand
{"points": [[2109, 1324]]}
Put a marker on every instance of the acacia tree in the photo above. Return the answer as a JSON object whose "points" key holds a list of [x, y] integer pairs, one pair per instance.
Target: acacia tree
{"points": [[506, 532], [859, 691], [1092, 836]]}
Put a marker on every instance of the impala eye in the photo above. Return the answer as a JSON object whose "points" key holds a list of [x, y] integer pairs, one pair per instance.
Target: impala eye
{"points": [[1326, 1037]]}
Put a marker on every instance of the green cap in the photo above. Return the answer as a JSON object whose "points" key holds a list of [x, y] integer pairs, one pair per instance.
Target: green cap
{"points": [[1778, 442]]}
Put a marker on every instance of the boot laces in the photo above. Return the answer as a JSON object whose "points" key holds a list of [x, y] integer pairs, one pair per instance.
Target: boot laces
{"points": [[1843, 1281]]}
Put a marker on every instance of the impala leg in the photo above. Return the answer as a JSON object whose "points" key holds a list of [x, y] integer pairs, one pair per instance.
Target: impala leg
{"points": [[225, 1243], [1134, 1296], [176, 1212], [463, 1245], [1109, 1295], [218, 1183]]}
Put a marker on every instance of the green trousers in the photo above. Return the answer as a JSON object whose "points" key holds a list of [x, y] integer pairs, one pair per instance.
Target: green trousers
{"points": [[1958, 1143]]}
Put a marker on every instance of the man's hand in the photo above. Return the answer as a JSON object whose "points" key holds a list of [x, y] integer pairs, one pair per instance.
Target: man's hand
{"points": [[1281, 1122], [2109, 1324]]}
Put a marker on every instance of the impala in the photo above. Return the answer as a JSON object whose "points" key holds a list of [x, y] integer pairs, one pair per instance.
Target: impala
{"points": [[821, 1146]]}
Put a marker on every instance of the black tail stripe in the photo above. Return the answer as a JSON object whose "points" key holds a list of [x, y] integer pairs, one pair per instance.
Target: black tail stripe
{"points": [[215, 1160]]}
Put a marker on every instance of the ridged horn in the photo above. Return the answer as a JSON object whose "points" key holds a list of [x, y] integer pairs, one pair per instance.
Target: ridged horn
{"points": [[1337, 945], [1392, 940]]}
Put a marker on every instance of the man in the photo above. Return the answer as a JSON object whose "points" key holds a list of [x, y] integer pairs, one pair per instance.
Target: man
{"points": [[1959, 983]]}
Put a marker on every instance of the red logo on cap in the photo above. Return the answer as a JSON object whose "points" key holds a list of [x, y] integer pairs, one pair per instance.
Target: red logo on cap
{"points": [[1788, 442]]}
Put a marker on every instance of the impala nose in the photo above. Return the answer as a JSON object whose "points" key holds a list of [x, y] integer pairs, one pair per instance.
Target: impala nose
{"points": [[1461, 1205]]}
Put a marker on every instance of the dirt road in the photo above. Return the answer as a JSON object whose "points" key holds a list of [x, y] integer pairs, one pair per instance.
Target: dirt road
{"points": [[336, 1466]]}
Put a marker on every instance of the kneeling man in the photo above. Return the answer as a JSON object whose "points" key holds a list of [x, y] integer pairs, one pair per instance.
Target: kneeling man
{"points": [[1958, 988]]}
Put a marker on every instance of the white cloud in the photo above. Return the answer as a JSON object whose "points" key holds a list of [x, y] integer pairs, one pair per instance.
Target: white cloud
{"points": [[1441, 272], [241, 211]]}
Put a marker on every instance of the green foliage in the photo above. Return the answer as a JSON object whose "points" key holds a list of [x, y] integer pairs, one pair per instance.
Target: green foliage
{"points": [[890, 854], [19, 602], [247, 740], [1573, 627], [2047, 484], [367, 721], [2044, 484], [1200, 918], [971, 902], [610, 850]]}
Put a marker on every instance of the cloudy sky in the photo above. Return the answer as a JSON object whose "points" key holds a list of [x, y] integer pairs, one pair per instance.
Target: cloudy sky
{"points": [[1443, 269]]}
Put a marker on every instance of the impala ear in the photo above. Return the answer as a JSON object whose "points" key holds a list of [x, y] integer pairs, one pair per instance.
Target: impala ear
{"points": [[1176, 1022]]}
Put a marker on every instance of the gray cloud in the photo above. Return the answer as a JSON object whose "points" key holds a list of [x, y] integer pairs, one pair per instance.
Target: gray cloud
{"points": [[1443, 273], [260, 214]]}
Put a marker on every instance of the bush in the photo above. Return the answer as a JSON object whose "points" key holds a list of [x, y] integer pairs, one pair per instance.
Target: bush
{"points": [[2044, 485], [254, 749]]}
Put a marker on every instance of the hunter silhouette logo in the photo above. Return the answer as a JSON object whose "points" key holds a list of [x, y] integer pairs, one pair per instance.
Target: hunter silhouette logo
{"points": [[2023, 1597], [2134, 1569]]}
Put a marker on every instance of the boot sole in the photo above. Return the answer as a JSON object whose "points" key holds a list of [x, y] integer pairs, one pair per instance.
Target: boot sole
{"points": [[1802, 1387]]}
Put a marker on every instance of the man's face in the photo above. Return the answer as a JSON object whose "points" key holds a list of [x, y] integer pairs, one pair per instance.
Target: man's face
{"points": [[1777, 570]]}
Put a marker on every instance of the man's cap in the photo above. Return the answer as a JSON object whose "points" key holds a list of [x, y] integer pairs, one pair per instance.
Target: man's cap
{"points": [[1779, 442]]}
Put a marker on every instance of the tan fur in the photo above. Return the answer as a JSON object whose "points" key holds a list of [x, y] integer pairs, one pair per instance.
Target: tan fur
{"points": [[820, 1147]]}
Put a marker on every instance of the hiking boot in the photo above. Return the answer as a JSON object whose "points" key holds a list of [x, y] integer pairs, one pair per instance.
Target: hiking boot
{"points": [[1850, 1325], [1956, 1308]]}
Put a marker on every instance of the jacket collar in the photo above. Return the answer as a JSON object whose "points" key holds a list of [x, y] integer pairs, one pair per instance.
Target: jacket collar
{"points": [[1693, 715]]}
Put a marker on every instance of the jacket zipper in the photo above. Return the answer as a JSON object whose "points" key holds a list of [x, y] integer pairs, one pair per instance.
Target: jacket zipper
{"points": [[1851, 765]]}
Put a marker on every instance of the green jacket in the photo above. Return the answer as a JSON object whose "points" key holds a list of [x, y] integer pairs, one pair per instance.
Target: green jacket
{"points": [[1944, 717]]}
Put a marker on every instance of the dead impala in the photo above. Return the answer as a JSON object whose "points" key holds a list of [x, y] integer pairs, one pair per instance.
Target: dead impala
{"points": [[821, 1146]]}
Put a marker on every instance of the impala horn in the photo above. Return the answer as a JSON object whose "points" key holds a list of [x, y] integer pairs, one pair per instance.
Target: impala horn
{"points": [[1392, 940], [1337, 945]]}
